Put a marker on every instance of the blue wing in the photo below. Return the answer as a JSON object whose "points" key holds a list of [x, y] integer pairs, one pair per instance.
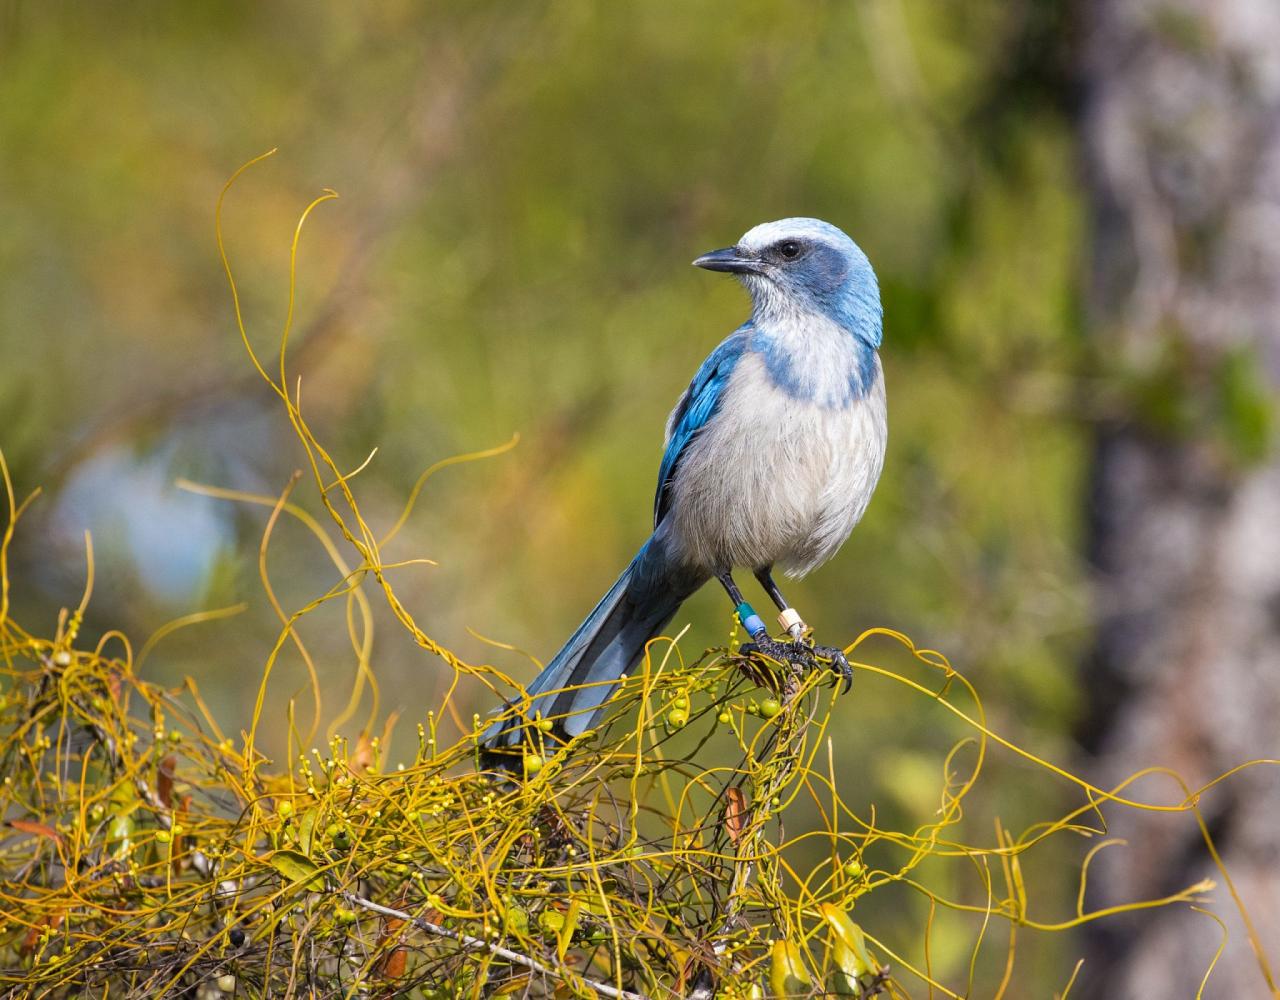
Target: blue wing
{"points": [[698, 404]]}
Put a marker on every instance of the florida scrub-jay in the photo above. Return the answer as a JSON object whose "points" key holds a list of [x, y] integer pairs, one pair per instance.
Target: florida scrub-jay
{"points": [[771, 457]]}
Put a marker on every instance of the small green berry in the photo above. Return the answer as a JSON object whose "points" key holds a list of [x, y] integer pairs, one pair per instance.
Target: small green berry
{"points": [[769, 708]]}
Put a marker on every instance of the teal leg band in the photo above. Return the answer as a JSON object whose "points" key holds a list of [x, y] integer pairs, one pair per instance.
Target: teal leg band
{"points": [[750, 620]]}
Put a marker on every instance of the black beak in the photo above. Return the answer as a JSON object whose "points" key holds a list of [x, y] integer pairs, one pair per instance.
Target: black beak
{"points": [[733, 260]]}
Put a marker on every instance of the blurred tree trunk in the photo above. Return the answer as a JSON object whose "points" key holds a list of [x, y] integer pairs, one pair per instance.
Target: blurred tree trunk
{"points": [[1181, 130]]}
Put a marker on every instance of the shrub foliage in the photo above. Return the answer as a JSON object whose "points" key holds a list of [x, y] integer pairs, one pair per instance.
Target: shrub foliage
{"points": [[148, 853]]}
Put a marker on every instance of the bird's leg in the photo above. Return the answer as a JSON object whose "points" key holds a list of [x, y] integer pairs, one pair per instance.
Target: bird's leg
{"points": [[799, 653], [789, 618]]}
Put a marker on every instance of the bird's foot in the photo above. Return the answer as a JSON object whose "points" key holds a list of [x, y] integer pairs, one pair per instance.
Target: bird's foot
{"points": [[801, 653], [796, 652]]}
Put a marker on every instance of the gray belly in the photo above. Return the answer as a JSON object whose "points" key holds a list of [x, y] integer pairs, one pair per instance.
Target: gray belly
{"points": [[771, 480]]}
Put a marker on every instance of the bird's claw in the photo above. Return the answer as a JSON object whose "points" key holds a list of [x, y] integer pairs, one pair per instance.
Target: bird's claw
{"points": [[839, 663], [802, 653]]}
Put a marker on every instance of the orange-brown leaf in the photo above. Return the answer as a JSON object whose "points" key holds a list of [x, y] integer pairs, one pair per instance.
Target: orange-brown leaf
{"points": [[696, 976], [164, 780], [39, 829], [392, 964], [32, 938], [362, 759], [735, 811]]}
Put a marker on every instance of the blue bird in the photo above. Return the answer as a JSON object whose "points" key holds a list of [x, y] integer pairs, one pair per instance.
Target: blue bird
{"points": [[771, 457]]}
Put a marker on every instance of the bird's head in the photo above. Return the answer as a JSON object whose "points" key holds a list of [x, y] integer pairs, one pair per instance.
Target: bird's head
{"points": [[804, 266]]}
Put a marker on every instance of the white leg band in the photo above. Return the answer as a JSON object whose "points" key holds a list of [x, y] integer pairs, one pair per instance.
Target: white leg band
{"points": [[791, 622]]}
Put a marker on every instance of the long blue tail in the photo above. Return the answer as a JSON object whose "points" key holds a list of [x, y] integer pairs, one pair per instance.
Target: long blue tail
{"points": [[573, 687]]}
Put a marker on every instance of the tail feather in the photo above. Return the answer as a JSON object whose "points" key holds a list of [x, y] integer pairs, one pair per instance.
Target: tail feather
{"points": [[574, 686]]}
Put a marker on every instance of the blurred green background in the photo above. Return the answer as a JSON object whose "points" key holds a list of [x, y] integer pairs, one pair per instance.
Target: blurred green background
{"points": [[523, 188]]}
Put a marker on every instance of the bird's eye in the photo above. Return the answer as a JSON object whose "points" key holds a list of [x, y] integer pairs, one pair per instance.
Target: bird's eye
{"points": [[788, 249]]}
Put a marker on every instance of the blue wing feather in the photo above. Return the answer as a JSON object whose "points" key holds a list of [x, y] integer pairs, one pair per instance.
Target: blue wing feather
{"points": [[698, 405]]}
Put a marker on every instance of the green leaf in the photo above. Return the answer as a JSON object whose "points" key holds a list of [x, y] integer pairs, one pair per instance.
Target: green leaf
{"points": [[306, 829], [787, 974], [851, 950], [565, 935], [297, 868]]}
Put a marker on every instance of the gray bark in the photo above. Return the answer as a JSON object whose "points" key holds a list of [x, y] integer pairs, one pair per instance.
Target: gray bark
{"points": [[1181, 127]]}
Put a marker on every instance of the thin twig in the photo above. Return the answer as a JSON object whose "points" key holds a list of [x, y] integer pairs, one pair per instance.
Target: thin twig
{"points": [[493, 949]]}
